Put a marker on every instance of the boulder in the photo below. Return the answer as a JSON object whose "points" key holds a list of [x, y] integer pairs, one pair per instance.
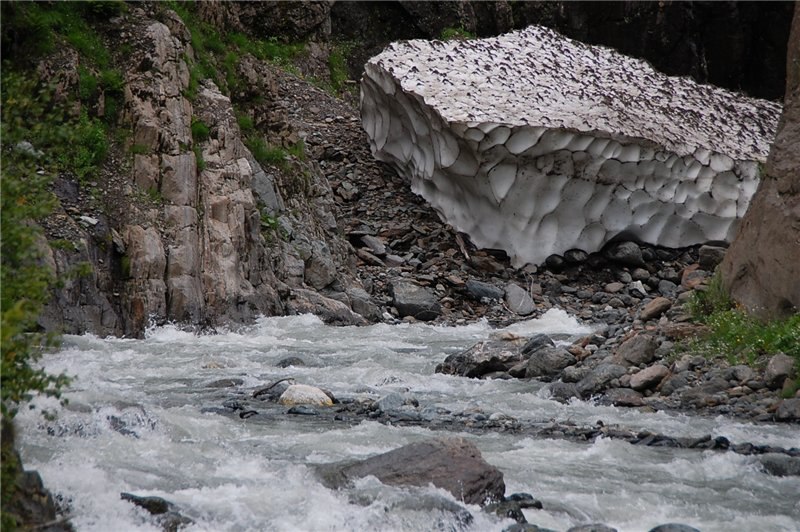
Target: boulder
{"points": [[547, 362], [411, 299], [780, 465], [453, 464], [779, 368], [562, 391], [519, 300], [329, 310], [600, 378], [478, 290], [649, 377], [622, 397], [628, 253], [637, 350], [518, 154], [482, 358], [788, 410], [303, 394], [655, 308], [762, 265]]}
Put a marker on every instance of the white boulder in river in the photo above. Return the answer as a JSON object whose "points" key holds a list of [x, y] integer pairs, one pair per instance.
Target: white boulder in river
{"points": [[536, 144], [303, 394]]}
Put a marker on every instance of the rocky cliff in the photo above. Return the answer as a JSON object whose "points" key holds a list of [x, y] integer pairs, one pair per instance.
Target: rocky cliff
{"points": [[183, 223], [762, 267]]}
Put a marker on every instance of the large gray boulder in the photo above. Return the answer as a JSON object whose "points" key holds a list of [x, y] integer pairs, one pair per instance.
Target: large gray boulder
{"points": [[411, 299], [536, 144], [482, 358], [453, 464]]}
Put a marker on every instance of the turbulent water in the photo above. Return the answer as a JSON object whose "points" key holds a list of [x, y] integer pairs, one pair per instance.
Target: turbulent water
{"points": [[134, 423]]}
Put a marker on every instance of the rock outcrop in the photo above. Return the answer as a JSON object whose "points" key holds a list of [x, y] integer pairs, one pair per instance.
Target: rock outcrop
{"points": [[762, 266], [536, 144]]}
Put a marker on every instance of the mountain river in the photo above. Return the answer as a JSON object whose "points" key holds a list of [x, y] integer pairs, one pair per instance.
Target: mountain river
{"points": [[228, 474]]}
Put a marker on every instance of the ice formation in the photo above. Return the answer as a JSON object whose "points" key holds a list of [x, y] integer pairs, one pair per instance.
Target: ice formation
{"points": [[536, 144]]}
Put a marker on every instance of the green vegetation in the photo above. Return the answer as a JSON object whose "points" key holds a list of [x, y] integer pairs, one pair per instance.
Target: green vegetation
{"points": [[449, 34], [265, 154], [735, 335], [200, 130], [337, 66]]}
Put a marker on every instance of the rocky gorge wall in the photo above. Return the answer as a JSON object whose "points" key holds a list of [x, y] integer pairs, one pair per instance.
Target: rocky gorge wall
{"points": [[184, 224], [536, 144]]}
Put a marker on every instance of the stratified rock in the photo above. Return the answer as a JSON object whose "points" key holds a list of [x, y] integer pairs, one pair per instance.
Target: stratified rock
{"points": [[303, 394], [453, 464], [536, 144], [779, 368], [481, 358], [637, 350], [762, 266], [411, 299]]}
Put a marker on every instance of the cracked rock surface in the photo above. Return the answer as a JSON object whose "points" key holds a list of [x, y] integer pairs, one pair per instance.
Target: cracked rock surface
{"points": [[537, 145]]}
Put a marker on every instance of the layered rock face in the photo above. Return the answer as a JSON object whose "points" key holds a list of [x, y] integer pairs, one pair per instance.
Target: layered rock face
{"points": [[536, 144]]}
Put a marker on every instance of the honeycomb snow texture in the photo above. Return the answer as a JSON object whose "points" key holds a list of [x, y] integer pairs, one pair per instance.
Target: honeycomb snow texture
{"points": [[537, 144]]}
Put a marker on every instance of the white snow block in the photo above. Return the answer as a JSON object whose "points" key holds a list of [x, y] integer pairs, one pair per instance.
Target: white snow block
{"points": [[536, 144]]}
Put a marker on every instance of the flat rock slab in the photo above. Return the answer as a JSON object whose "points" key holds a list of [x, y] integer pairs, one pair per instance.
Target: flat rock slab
{"points": [[537, 144], [453, 464]]}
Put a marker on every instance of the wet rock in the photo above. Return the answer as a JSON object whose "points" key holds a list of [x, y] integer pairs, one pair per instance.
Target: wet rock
{"points": [[622, 397], [788, 410], [331, 311], [780, 465], [387, 403], [595, 527], [411, 299], [302, 410], [481, 359], [274, 390], [649, 377], [600, 378], [511, 507], [637, 350], [655, 308], [519, 300], [290, 361], [779, 368], [167, 515], [478, 290], [303, 394], [562, 391], [674, 527], [547, 362], [535, 342], [453, 464]]}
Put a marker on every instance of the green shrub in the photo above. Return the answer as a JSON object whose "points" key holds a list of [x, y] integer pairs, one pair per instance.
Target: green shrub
{"points": [[245, 122], [200, 131], [449, 34], [266, 154], [337, 66]]}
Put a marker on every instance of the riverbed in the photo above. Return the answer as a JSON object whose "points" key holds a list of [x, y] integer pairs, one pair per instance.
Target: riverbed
{"points": [[140, 419]]}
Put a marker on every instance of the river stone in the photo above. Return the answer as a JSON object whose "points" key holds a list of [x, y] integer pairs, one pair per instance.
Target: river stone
{"points": [[411, 299], [535, 342], [290, 361], [519, 300], [622, 397], [780, 465], [480, 359], [599, 378], [779, 368], [547, 362], [788, 410], [574, 373], [562, 391], [674, 527], [274, 390], [637, 350], [655, 308], [392, 401], [303, 394], [649, 377], [453, 464], [479, 290], [595, 527]]}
